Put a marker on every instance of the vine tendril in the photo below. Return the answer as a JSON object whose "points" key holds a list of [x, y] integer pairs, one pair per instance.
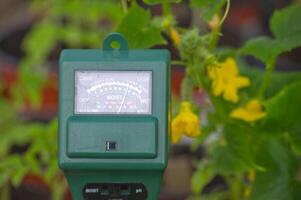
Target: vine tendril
{"points": [[226, 12]]}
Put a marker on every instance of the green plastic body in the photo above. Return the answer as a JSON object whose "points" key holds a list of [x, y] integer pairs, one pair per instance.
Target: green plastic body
{"points": [[143, 139]]}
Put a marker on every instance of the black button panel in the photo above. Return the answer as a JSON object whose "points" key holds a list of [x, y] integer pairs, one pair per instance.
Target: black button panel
{"points": [[115, 191]]}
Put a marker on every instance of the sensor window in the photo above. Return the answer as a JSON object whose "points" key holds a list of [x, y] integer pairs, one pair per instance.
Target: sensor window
{"points": [[113, 92]]}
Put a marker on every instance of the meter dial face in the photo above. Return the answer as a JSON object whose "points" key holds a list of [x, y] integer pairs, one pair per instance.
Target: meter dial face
{"points": [[113, 92]]}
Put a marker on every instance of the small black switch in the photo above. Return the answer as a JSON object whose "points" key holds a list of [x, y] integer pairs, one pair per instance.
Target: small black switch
{"points": [[111, 145]]}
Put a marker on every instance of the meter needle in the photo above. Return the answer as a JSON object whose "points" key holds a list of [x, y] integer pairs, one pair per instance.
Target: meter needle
{"points": [[122, 102]]}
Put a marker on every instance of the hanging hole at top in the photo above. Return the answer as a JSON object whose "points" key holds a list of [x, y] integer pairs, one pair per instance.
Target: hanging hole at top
{"points": [[115, 41], [115, 45]]}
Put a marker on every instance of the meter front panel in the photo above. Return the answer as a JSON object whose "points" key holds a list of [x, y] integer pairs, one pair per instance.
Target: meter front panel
{"points": [[113, 122], [113, 111]]}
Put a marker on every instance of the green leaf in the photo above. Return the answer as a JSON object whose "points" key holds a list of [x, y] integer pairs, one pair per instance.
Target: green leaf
{"points": [[10, 164], [284, 111], [153, 2], [31, 83], [208, 7], [286, 22], [18, 134], [285, 25], [6, 109], [71, 35], [201, 177], [40, 41], [278, 181], [19, 175], [267, 49], [235, 156], [138, 30], [52, 171]]}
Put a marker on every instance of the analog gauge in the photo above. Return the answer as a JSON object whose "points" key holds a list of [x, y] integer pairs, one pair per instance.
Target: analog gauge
{"points": [[113, 92]]}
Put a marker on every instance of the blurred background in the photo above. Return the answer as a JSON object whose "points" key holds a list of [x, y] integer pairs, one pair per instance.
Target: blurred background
{"points": [[32, 34]]}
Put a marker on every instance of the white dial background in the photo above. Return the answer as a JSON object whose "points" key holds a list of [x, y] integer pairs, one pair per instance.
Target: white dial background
{"points": [[113, 92]]}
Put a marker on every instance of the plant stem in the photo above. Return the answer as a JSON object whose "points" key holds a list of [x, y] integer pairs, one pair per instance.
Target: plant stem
{"points": [[178, 62], [166, 9], [124, 5], [217, 31], [216, 35], [267, 78], [226, 12], [235, 186]]}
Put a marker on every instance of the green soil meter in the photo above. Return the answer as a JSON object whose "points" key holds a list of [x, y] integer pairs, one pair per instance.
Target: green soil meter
{"points": [[113, 121]]}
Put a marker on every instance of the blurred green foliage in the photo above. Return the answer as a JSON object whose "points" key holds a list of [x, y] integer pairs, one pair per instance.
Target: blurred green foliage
{"points": [[269, 148], [72, 24], [234, 149]]}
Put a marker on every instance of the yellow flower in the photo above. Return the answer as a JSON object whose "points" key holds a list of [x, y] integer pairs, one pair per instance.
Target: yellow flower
{"points": [[226, 80], [185, 123], [251, 112], [175, 37]]}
